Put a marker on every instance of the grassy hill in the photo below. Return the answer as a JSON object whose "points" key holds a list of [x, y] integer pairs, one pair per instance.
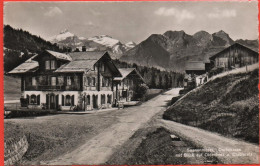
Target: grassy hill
{"points": [[227, 105], [12, 88]]}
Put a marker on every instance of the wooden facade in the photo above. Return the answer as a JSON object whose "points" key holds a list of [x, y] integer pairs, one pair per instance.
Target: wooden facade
{"points": [[125, 85], [234, 56]]}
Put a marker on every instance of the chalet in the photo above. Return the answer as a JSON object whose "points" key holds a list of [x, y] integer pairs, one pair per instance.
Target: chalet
{"points": [[124, 86], [60, 81], [195, 67], [234, 56]]}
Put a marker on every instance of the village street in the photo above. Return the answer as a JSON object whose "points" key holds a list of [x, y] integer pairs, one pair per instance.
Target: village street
{"points": [[98, 149]]}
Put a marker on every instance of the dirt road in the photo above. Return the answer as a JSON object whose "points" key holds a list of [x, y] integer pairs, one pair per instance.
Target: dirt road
{"points": [[229, 151], [98, 149]]}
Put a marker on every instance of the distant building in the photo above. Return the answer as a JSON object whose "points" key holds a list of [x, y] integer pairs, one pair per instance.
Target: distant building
{"points": [[195, 68], [234, 56], [124, 86]]}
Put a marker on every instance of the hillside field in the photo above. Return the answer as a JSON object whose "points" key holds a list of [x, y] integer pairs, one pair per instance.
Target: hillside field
{"points": [[12, 88], [227, 105]]}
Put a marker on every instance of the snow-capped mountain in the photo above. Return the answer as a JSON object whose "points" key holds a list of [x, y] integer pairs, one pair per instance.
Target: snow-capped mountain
{"points": [[130, 45], [62, 36], [95, 43], [105, 40]]}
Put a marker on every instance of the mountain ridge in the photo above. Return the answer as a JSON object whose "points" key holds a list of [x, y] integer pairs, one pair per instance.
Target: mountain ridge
{"points": [[181, 47]]}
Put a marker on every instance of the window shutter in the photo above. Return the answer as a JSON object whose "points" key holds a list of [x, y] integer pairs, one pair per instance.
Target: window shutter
{"points": [[62, 100], [38, 100], [72, 100], [28, 98]]}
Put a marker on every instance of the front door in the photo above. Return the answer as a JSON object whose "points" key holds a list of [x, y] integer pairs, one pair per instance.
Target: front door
{"points": [[52, 101]]}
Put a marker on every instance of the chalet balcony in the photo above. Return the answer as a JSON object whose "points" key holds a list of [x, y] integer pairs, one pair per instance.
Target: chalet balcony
{"points": [[53, 88]]}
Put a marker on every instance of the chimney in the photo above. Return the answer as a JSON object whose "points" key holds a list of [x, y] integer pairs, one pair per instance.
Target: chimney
{"points": [[84, 49]]}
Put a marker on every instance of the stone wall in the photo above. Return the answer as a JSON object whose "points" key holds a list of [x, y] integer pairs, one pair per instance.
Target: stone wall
{"points": [[14, 150]]}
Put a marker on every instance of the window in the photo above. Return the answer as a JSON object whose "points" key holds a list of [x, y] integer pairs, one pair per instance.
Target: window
{"points": [[33, 99], [89, 81], [61, 80], [53, 64], [67, 100], [102, 67], [68, 80], [33, 81], [109, 99], [103, 82], [47, 65], [93, 81], [53, 81], [103, 99], [88, 100]]}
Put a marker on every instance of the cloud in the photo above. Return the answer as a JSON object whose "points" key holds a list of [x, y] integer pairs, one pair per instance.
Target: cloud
{"points": [[178, 14], [227, 13], [52, 11]]}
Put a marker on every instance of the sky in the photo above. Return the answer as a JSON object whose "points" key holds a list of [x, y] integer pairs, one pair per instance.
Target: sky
{"points": [[133, 21]]}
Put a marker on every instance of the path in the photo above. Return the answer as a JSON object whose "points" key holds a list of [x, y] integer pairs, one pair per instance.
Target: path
{"points": [[229, 151], [98, 149]]}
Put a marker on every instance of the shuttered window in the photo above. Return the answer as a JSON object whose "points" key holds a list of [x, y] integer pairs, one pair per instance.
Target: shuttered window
{"points": [[62, 100], [72, 100], [93, 81], [38, 99]]}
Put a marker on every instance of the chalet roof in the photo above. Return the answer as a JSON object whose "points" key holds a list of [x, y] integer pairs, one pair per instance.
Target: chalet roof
{"points": [[88, 55], [255, 53], [27, 66], [195, 65], [60, 55], [81, 61], [125, 72], [77, 66]]}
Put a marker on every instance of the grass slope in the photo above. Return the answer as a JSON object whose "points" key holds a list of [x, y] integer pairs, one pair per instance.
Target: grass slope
{"points": [[52, 136], [227, 105], [12, 88]]}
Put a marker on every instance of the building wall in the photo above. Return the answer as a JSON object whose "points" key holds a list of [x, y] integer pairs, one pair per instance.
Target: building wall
{"points": [[89, 105], [235, 57], [43, 97]]}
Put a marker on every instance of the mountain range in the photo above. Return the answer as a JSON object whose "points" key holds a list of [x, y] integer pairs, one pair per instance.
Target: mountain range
{"points": [[95, 43], [173, 49], [169, 51]]}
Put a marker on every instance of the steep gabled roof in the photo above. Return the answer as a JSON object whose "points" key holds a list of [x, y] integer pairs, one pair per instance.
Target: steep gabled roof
{"points": [[81, 61], [28, 66], [234, 45], [77, 66], [88, 55], [195, 65], [127, 71], [57, 55]]}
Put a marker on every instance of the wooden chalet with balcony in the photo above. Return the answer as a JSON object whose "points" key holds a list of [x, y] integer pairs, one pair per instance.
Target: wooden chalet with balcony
{"points": [[58, 81], [125, 85]]}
